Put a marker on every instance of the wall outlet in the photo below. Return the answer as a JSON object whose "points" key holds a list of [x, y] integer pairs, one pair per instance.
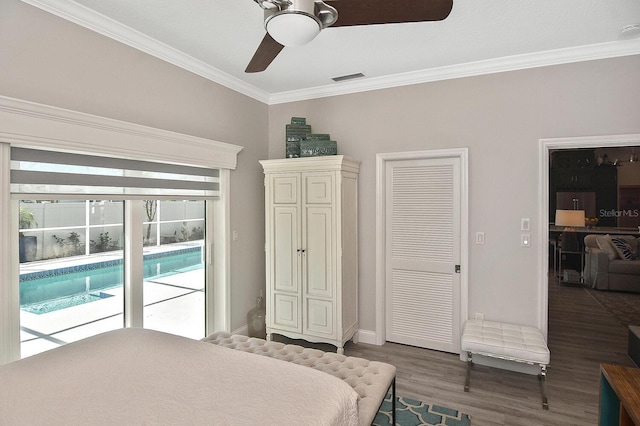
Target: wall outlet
{"points": [[480, 317]]}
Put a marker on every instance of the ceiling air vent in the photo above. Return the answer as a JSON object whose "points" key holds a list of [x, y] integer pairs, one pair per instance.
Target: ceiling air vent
{"points": [[347, 77]]}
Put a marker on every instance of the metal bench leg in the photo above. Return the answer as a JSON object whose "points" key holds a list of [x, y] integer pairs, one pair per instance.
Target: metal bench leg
{"points": [[542, 377], [469, 365], [392, 387], [393, 401]]}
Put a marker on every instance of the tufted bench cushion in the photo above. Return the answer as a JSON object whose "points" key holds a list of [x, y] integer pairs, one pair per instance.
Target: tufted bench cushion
{"points": [[506, 341], [516, 342], [370, 379]]}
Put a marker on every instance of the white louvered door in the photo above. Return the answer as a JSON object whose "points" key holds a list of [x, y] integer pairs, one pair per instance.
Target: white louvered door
{"points": [[423, 211]]}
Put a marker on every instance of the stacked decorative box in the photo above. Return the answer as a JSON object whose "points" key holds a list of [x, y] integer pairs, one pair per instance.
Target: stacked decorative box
{"points": [[318, 144], [302, 143], [296, 132]]}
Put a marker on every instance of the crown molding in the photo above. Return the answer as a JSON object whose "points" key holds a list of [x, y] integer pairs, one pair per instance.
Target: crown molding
{"points": [[470, 69], [81, 15], [90, 19]]}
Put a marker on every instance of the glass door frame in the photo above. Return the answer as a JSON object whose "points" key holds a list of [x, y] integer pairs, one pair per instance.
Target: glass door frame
{"points": [[215, 297], [133, 231], [216, 269]]}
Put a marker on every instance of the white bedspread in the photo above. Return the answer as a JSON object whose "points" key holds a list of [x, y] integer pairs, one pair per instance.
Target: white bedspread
{"points": [[144, 377]]}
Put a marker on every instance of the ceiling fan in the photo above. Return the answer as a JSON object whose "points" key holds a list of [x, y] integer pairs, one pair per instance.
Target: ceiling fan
{"points": [[297, 22]]}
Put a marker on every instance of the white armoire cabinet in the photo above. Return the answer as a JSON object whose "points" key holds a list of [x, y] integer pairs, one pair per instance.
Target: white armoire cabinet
{"points": [[312, 248]]}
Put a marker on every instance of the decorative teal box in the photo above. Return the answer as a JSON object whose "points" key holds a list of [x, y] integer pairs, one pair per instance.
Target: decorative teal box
{"points": [[293, 149], [317, 148], [318, 137], [299, 130], [294, 134]]}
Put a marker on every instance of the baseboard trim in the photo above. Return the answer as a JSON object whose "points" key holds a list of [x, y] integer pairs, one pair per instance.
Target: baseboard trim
{"points": [[367, 336]]}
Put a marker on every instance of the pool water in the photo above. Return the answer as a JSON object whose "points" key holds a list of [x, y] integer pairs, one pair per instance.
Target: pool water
{"points": [[43, 295]]}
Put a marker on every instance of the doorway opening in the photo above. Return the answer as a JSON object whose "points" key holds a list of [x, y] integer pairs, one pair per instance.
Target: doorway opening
{"points": [[608, 143]]}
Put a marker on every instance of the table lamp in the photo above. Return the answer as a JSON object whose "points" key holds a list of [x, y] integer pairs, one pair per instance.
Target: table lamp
{"points": [[570, 219]]}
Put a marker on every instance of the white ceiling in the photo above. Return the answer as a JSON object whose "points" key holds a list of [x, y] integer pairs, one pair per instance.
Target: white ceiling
{"points": [[217, 38]]}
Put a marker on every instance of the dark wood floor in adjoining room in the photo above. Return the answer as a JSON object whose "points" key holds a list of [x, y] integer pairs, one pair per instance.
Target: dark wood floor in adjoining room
{"points": [[582, 335]]}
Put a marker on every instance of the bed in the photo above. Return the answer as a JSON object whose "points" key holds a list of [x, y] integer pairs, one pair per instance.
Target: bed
{"points": [[143, 377]]}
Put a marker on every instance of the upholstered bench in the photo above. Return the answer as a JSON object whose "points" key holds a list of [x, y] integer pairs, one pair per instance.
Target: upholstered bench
{"points": [[506, 341], [370, 379]]}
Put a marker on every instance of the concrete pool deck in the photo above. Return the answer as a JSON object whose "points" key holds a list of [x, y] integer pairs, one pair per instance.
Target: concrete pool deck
{"points": [[172, 303]]}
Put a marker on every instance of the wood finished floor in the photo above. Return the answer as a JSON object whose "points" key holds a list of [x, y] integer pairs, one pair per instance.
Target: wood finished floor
{"points": [[581, 336]]}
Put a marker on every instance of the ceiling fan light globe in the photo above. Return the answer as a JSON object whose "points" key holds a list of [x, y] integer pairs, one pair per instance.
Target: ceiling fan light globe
{"points": [[293, 29]]}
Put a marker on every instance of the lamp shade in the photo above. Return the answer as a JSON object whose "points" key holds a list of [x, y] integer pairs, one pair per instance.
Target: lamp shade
{"points": [[292, 29], [569, 218]]}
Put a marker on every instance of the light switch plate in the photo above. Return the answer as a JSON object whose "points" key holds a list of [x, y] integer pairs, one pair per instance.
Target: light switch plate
{"points": [[525, 240], [479, 237], [525, 224]]}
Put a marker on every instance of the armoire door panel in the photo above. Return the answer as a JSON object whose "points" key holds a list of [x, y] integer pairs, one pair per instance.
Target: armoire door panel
{"points": [[319, 317], [285, 251], [286, 311], [318, 189], [285, 189], [317, 242]]}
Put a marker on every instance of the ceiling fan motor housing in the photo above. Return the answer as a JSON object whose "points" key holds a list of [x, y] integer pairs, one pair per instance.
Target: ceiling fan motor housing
{"points": [[297, 22]]}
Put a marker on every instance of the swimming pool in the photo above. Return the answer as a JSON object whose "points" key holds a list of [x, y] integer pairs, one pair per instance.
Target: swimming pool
{"points": [[47, 291]]}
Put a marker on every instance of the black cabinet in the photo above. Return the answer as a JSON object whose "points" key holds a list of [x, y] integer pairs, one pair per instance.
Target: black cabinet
{"points": [[573, 175], [629, 211], [605, 185], [573, 169], [577, 200]]}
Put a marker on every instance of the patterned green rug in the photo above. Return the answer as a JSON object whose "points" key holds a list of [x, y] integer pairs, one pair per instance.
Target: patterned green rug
{"points": [[410, 412]]}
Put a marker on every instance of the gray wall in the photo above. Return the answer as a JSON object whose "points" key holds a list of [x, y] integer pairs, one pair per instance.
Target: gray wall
{"points": [[500, 118], [48, 60]]}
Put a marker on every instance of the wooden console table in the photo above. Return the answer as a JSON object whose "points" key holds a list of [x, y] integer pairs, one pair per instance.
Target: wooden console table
{"points": [[619, 395]]}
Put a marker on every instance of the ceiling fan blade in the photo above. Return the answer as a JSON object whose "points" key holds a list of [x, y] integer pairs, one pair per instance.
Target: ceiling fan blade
{"points": [[368, 12], [265, 54]]}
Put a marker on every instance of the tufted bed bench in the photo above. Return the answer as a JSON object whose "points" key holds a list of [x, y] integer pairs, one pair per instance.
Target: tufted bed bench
{"points": [[370, 379], [506, 341]]}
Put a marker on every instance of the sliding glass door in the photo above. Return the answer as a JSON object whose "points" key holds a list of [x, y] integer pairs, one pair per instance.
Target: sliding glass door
{"points": [[174, 278], [74, 264], [71, 271]]}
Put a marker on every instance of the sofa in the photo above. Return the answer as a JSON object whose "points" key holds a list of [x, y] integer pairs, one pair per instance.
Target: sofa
{"points": [[612, 262]]}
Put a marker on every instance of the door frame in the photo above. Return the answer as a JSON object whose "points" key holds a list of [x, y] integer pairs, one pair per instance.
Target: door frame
{"points": [[546, 145], [381, 159]]}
